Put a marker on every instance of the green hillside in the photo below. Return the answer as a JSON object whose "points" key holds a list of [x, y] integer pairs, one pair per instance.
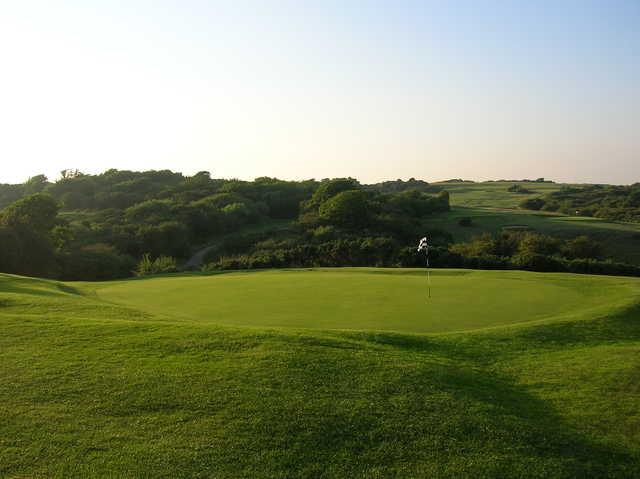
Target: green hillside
{"points": [[495, 194], [94, 385], [493, 209]]}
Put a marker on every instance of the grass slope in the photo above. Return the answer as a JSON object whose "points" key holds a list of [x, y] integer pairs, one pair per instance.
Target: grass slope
{"points": [[495, 194], [90, 388]]}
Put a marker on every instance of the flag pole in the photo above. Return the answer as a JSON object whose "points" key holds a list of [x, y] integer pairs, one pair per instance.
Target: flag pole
{"points": [[428, 276], [423, 245]]}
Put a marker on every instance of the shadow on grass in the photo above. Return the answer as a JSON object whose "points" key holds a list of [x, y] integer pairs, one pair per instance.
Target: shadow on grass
{"points": [[326, 269], [621, 326], [356, 416], [483, 346], [35, 286]]}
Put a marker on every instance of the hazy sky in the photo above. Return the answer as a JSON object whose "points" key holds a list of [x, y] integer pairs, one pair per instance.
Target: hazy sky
{"points": [[312, 89]]}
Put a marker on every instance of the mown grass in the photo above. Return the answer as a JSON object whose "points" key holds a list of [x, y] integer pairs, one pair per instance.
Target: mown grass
{"points": [[371, 299], [90, 388], [494, 194]]}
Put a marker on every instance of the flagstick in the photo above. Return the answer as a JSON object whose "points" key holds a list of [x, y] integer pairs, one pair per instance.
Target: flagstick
{"points": [[428, 278], [424, 246]]}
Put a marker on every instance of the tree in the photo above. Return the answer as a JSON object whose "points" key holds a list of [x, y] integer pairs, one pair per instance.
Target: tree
{"points": [[167, 238], [330, 188], [532, 204], [95, 262], [532, 244], [481, 245], [70, 173], [10, 250], [151, 211], [27, 238], [347, 209], [35, 184], [582, 247], [519, 189], [37, 212]]}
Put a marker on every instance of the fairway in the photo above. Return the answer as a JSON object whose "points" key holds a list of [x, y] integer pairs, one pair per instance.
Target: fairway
{"points": [[374, 299]]}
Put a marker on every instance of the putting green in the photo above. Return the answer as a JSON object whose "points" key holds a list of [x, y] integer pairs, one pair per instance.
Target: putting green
{"points": [[375, 299]]}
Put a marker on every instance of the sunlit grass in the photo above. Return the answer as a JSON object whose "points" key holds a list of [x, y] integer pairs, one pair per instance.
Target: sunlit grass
{"points": [[90, 388]]}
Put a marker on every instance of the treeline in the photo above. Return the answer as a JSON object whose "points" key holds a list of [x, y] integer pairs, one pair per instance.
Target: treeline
{"points": [[113, 224], [525, 180], [620, 203], [534, 252], [119, 223], [509, 250], [342, 224]]}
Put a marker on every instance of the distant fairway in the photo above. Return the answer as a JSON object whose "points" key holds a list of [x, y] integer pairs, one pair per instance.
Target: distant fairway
{"points": [[494, 194], [373, 299], [144, 378], [492, 207]]}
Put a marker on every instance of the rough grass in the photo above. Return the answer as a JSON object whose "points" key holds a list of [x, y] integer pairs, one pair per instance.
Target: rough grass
{"points": [[90, 388]]}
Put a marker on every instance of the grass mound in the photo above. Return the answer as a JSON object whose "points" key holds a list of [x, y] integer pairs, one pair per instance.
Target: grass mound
{"points": [[91, 388]]}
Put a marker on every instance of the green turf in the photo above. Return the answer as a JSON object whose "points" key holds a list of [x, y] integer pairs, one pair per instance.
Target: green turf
{"points": [[93, 388], [370, 299], [495, 194]]}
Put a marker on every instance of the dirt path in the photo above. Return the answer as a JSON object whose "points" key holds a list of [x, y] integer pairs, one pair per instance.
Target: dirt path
{"points": [[197, 258]]}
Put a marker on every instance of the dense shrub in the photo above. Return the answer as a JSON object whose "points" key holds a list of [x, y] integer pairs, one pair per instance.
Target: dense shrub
{"points": [[328, 189], [591, 266], [11, 250], [530, 251], [349, 209], [519, 189], [582, 247], [532, 204], [482, 245], [611, 202], [537, 244], [162, 264], [95, 262], [536, 262], [37, 212]]}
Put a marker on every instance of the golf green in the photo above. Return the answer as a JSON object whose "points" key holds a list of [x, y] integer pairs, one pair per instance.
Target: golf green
{"points": [[374, 299]]}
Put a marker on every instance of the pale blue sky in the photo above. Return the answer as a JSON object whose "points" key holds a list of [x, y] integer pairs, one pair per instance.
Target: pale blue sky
{"points": [[312, 89]]}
